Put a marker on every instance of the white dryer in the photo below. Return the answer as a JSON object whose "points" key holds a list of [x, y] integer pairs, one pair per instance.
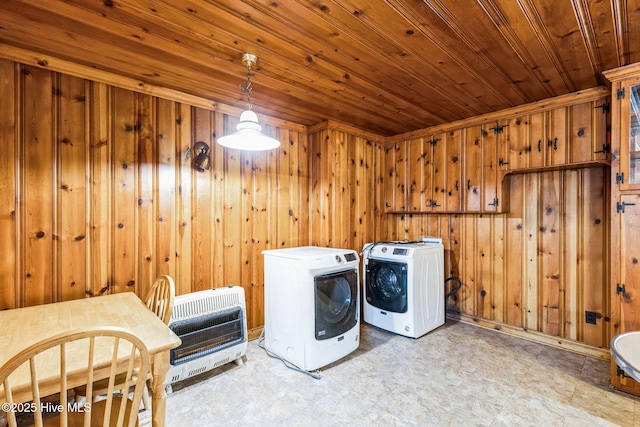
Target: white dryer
{"points": [[311, 304], [404, 286]]}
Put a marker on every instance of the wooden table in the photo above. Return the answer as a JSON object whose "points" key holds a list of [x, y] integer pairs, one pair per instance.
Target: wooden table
{"points": [[22, 327]]}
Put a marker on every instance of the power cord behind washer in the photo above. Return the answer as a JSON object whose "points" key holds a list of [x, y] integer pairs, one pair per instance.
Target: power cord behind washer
{"points": [[316, 375]]}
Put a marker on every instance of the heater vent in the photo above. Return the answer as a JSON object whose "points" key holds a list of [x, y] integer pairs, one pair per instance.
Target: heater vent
{"points": [[213, 329]]}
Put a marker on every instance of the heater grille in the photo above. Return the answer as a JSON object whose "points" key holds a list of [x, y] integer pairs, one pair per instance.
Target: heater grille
{"points": [[213, 329]]}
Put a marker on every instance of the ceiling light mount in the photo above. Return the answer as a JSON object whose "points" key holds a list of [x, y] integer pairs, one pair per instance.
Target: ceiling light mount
{"points": [[248, 135]]}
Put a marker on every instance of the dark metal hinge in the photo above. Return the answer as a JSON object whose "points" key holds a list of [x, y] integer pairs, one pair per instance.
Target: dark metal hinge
{"points": [[605, 107], [606, 149], [620, 93], [433, 141], [620, 206], [433, 203], [498, 128], [620, 372], [494, 203], [620, 289], [619, 178], [501, 162]]}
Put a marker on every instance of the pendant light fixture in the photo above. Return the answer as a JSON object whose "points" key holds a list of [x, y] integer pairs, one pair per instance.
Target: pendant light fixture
{"points": [[247, 135]]}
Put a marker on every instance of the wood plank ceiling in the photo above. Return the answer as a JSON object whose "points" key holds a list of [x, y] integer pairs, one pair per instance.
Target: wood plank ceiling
{"points": [[387, 67]]}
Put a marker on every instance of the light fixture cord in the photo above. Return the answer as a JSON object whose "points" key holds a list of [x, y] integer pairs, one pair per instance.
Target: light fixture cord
{"points": [[246, 86]]}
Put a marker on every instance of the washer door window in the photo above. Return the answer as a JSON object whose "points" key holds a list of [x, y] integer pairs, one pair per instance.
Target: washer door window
{"points": [[387, 285], [336, 303]]}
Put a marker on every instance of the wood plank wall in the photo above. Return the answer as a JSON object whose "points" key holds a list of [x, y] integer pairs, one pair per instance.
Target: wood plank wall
{"points": [[538, 267], [98, 195]]}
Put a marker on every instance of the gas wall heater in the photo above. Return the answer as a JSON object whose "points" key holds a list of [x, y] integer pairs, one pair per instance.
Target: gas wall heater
{"points": [[213, 328]]}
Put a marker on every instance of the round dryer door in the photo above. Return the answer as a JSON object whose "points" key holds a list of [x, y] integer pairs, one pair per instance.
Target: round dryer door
{"points": [[387, 285], [336, 303]]}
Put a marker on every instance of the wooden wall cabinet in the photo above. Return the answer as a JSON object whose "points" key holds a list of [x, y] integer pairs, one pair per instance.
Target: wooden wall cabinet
{"points": [[625, 210]]}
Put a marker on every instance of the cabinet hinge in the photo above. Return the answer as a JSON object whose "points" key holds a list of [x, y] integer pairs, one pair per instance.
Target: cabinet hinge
{"points": [[433, 141], [501, 162], [620, 372], [494, 203], [433, 203], [498, 128], [606, 149], [620, 93], [619, 289], [620, 206], [605, 107], [620, 178]]}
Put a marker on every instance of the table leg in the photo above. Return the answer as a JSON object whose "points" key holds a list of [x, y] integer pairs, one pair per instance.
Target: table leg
{"points": [[160, 367]]}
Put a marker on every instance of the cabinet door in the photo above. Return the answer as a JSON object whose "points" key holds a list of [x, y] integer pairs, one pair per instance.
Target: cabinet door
{"points": [[418, 175], [454, 170], [517, 143], [556, 137], [490, 170], [473, 169], [628, 300], [438, 170], [537, 139], [630, 134], [588, 138], [396, 177]]}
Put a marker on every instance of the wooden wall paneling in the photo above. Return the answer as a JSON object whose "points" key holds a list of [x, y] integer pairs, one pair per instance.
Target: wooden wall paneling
{"points": [[469, 270], [593, 256], [532, 307], [303, 184], [37, 187], [362, 192], [219, 209], [518, 143], [317, 217], [572, 292], [454, 183], [484, 279], [283, 207], [262, 224], [342, 206], [472, 159], [10, 289], [550, 252], [72, 144], [390, 177], [453, 268], [166, 175], [125, 201], [498, 267], [146, 260], [202, 205], [514, 250], [439, 171], [379, 182], [101, 221], [419, 175], [184, 203], [401, 176]]}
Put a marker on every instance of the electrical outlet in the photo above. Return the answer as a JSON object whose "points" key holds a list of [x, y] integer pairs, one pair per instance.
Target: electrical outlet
{"points": [[590, 317]]}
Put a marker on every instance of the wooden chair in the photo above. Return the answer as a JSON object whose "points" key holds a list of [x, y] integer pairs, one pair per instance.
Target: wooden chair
{"points": [[160, 301], [126, 352], [160, 297]]}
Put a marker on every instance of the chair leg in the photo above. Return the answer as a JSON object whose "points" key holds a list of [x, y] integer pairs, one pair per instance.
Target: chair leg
{"points": [[146, 403]]}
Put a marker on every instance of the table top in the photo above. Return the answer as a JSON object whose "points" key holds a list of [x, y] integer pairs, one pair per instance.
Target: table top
{"points": [[625, 350], [20, 328]]}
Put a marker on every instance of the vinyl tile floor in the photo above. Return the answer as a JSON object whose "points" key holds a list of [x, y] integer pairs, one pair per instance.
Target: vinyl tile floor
{"points": [[456, 375]]}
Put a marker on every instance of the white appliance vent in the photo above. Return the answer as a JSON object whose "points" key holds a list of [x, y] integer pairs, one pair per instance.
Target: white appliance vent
{"points": [[213, 328]]}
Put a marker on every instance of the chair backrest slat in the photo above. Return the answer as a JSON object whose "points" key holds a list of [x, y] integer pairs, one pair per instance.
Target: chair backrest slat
{"points": [[160, 297]]}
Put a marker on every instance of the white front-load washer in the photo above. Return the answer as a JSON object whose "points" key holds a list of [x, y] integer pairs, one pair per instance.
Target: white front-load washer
{"points": [[404, 286], [311, 304]]}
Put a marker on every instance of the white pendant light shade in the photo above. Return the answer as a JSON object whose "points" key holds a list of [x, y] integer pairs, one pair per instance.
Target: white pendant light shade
{"points": [[248, 136]]}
